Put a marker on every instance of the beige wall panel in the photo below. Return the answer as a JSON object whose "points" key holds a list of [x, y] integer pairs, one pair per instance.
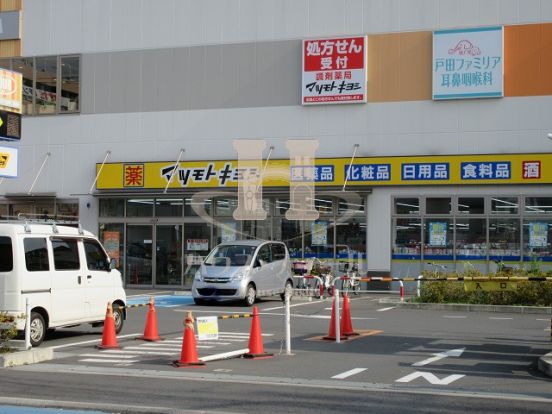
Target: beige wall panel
{"points": [[10, 5], [10, 48], [399, 67]]}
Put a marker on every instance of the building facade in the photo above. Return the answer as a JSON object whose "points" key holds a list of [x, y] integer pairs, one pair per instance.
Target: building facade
{"points": [[131, 110]]}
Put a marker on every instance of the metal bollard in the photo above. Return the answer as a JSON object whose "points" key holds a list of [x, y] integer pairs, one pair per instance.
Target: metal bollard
{"points": [[419, 285], [287, 314], [401, 290]]}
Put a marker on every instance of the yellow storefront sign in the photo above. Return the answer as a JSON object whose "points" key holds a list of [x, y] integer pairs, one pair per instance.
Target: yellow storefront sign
{"points": [[489, 286], [331, 172]]}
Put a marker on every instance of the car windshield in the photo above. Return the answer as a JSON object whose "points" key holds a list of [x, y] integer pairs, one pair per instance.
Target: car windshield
{"points": [[230, 255]]}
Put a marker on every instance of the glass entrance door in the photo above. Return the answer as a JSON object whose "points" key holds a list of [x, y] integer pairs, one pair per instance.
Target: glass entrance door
{"points": [[139, 254], [168, 254], [197, 238]]}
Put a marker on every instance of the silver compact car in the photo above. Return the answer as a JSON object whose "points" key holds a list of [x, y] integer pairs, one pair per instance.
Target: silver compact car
{"points": [[243, 270]]}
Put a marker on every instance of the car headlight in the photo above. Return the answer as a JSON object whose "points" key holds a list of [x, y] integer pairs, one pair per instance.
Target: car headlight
{"points": [[238, 276], [198, 277]]}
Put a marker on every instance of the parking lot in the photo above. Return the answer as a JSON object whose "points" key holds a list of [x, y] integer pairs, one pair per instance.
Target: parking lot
{"points": [[398, 348]]}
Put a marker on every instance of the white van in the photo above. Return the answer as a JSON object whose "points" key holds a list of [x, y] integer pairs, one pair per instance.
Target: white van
{"points": [[64, 271], [243, 270]]}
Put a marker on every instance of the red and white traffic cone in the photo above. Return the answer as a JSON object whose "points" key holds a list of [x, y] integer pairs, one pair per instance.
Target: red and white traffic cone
{"points": [[346, 324], [331, 331], [109, 337], [188, 356], [151, 332], [256, 348]]}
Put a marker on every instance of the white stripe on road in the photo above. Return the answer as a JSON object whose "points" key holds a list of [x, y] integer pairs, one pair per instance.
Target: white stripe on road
{"points": [[543, 319], [349, 373], [156, 352], [500, 319], [106, 356], [111, 361], [386, 309], [293, 306], [92, 341], [455, 316]]}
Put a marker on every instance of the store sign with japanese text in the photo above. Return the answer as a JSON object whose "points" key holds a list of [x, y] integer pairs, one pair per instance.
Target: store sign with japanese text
{"points": [[331, 172], [468, 63], [334, 70]]}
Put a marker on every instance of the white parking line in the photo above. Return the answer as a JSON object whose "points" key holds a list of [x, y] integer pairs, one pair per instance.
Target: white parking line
{"points": [[543, 319], [293, 306], [455, 316], [386, 309], [106, 356], [349, 373], [131, 352], [92, 341], [500, 319]]}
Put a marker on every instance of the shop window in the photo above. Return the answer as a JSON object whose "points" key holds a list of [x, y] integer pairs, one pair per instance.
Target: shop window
{"points": [[44, 210], [289, 232], [538, 205], [438, 205], [319, 239], [471, 205], [537, 236], [257, 229], [407, 206], [281, 205], [25, 66], [67, 211], [355, 209], [351, 239], [5, 64], [226, 231], [111, 236], [3, 212], [170, 207], [324, 205], [70, 83], [46, 85], [112, 207], [504, 239], [189, 205], [225, 207], [438, 236], [407, 238], [504, 205], [140, 207], [471, 239]]}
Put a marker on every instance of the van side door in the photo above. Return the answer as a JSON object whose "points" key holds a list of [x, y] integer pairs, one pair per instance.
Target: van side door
{"points": [[99, 283], [68, 282], [35, 274]]}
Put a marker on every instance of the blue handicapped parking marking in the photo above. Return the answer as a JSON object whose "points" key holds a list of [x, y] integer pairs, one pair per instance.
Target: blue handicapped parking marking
{"points": [[163, 301]]}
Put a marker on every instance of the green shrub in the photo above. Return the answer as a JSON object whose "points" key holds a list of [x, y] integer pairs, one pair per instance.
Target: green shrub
{"points": [[7, 331], [528, 293]]}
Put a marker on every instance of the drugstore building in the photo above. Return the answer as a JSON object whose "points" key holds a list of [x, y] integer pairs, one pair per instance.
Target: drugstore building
{"points": [[431, 128]]}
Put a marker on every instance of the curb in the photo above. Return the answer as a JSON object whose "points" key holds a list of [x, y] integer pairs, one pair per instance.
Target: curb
{"points": [[471, 308], [31, 356]]}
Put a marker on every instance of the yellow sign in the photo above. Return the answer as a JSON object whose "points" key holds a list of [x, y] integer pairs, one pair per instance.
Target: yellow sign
{"points": [[4, 158], [207, 328], [331, 172], [489, 286]]}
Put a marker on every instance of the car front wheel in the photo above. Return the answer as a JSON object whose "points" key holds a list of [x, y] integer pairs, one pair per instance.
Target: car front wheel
{"points": [[250, 295], [38, 329]]}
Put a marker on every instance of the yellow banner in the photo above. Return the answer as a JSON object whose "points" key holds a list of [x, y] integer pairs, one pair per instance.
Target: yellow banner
{"points": [[380, 171], [489, 286]]}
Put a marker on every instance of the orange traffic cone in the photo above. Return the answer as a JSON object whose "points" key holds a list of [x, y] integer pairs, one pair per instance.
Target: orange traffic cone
{"points": [[346, 324], [331, 332], [188, 356], [150, 331], [256, 349], [109, 338]]}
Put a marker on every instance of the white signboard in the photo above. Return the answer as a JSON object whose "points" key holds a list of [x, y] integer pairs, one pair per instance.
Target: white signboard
{"points": [[207, 328], [468, 63], [8, 162], [334, 70], [197, 244]]}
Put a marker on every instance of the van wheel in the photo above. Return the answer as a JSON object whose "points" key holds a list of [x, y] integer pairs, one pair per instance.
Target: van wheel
{"points": [[118, 317], [250, 295], [288, 290], [38, 329]]}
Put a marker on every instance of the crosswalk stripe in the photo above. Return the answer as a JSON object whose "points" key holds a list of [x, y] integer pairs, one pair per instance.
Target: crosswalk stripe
{"points": [[122, 361], [106, 356], [131, 352]]}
